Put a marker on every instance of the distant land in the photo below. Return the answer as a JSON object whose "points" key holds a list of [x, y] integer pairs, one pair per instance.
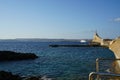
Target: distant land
{"points": [[41, 40]]}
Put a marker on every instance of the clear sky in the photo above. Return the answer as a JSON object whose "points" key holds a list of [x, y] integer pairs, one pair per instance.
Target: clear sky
{"points": [[69, 19]]}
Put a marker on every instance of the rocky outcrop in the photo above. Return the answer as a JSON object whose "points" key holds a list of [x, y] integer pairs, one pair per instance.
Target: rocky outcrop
{"points": [[32, 78], [98, 40], [12, 56], [9, 76], [115, 47]]}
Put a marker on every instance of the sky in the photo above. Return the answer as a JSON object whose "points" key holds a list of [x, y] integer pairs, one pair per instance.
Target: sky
{"points": [[59, 19]]}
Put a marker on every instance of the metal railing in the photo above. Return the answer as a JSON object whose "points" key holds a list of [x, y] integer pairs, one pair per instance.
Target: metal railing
{"points": [[103, 75], [102, 59], [99, 75]]}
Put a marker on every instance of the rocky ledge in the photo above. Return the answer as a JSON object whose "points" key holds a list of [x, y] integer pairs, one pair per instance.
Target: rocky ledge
{"points": [[9, 76], [13, 56]]}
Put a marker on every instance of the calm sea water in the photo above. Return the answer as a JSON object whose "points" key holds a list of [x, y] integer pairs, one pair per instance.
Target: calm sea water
{"points": [[62, 63]]}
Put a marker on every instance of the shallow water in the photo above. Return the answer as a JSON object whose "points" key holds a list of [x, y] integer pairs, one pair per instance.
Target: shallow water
{"points": [[62, 63]]}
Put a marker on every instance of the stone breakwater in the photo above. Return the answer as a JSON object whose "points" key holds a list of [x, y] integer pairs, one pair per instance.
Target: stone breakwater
{"points": [[14, 56], [89, 45]]}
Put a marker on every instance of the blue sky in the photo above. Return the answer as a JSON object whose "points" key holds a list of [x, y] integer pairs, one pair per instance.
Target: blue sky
{"points": [[68, 19]]}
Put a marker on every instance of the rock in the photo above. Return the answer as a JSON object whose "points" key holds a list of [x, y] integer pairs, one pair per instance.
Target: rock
{"points": [[12, 56], [9, 76], [34, 78]]}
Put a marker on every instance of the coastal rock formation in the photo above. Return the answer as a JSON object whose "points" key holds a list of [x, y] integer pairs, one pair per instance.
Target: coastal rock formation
{"points": [[33, 78], [115, 47], [98, 40], [12, 56], [9, 76]]}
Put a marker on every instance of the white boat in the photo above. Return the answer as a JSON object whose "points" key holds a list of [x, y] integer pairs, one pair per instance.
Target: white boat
{"points": [[83, 41]]}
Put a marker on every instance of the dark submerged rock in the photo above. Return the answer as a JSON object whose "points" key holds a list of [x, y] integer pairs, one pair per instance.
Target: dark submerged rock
{"points": [[12, 56], [34, 78], [9, 76]]}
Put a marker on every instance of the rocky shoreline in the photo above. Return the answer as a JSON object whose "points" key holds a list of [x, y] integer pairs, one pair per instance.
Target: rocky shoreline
{"points": [[15, 56], [9, 76]]}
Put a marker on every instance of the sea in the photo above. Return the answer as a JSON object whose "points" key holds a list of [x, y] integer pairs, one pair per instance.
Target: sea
{"points": [[60, 63]]}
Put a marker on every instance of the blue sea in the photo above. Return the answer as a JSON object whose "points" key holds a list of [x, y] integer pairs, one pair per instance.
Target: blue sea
{"points": [[61, 63]]}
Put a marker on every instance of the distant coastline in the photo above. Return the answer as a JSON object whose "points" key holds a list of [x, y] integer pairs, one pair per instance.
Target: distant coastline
{"points": [[41, 40]]}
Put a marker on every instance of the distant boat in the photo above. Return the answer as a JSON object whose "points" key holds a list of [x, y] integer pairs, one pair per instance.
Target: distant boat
{"points": [[83, 41]]}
